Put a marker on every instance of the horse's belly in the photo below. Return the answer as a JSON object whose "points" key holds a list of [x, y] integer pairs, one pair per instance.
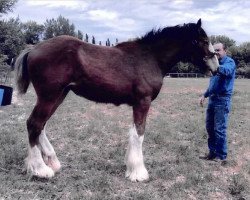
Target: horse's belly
{"points": [[104, 95]]}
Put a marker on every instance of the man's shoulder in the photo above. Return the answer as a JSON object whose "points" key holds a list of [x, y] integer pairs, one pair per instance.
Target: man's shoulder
{"points": [[228, 59]]}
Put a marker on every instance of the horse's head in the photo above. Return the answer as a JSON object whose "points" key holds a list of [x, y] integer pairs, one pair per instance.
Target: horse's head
{"points": [[200, 49]]}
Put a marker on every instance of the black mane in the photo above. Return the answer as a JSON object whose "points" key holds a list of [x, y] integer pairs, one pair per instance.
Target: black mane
{"points": [[175, 32]]}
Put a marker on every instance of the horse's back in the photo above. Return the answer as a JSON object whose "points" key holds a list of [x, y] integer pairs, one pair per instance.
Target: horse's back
{"points": [[54, 48], [51, 64], [99, 73]]}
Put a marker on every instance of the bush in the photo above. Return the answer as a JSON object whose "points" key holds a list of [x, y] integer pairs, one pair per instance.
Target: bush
{"points": [[247, 72], [4, 67]]}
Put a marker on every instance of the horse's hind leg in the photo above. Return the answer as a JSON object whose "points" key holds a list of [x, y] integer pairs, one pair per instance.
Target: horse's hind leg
{"points": [[42, 160], [48, 152], [35, 124]]}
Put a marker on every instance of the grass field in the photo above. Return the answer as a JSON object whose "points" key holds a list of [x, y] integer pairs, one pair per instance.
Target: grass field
{"points": [[91, 139]]}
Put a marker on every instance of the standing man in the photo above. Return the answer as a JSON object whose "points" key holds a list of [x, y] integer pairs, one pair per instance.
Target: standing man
{"points": [[220, 91]]}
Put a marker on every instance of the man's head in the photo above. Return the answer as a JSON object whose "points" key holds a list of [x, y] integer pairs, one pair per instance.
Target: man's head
{"points": [[220, 50]]}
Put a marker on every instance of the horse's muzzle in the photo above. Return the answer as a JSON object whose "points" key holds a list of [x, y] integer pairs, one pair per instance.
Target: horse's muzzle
{"points": [[214, 72]]}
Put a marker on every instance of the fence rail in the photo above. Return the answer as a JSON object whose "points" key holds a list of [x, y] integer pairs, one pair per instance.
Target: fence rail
{"points": [[185, 75], [195, 75]]}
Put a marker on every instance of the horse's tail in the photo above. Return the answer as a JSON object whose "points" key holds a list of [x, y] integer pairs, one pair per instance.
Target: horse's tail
{"points": [[22, 75]]}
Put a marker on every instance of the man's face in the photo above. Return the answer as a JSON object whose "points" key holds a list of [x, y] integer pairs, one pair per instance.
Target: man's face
{"points": [[220, 51]]}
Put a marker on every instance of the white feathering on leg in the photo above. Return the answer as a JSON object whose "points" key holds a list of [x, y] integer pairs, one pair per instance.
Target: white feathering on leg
{"points": [[48, 151], [35, 164], [136, 170]]}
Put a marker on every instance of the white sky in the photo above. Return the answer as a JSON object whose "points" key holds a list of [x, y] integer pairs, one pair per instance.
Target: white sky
{"points": [[126, 19]]}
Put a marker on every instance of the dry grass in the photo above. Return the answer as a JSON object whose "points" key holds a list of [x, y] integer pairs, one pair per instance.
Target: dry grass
{"points": [[90, 140]]}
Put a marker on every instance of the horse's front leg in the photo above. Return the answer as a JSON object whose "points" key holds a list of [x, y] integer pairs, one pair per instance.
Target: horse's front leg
{"points": [[136, 170]]}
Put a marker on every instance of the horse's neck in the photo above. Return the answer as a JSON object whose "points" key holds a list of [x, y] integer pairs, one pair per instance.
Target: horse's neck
{"points": [[169, 57]]}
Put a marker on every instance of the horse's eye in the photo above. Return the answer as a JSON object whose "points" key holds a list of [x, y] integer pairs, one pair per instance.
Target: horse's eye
{"points": [[194, 42], [206, 42]]}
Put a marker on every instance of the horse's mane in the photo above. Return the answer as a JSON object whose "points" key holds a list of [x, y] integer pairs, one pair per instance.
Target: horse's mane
{"points": [[175, 32]]}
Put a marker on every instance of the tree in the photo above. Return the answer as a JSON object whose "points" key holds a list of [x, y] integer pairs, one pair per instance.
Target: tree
{"points": [[6, 5], [247, 73], [49, 28], [5, 49], [244, 50], [86, 38], [32, 32], [182, 67], [3, 65], [241, 55], [93, 40], [108, 43], [223, 39], [79, 35], [60, 26], [11, 38]]}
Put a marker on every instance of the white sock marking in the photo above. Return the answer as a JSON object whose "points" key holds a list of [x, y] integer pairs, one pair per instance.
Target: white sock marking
{"points": [[136, 170], [48, 152], [35, 164]]}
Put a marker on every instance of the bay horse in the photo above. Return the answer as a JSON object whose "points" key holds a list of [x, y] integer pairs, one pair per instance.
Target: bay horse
{"points": [[129, 73]]}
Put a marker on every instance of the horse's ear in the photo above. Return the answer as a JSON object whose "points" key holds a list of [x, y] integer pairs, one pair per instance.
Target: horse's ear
{"points": [[199, 23]]}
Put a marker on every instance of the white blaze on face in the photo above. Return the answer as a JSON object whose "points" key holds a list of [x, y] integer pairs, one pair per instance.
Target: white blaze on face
{"points": [[212, 62]]}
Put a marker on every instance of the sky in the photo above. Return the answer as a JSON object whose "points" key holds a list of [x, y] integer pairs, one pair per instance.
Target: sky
{"points": [[128, 19]]}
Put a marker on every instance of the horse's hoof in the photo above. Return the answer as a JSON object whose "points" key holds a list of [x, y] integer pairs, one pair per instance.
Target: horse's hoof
{"points": [[41, 171], [137, 175], [45, 173]]}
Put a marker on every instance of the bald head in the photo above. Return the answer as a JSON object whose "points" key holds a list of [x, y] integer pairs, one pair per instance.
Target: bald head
{"points": [[220, 50]]}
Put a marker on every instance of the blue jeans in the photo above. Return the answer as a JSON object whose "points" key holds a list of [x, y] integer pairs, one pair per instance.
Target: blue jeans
{"points": [[216, 125]]}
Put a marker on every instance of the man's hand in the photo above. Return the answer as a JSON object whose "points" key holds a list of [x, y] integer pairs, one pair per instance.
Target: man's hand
{"points": [[202, 100]]}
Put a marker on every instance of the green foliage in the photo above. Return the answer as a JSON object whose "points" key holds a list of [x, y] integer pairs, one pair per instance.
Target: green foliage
{"points": [[241, 55], [60, 26], [7, 36], [182, 67], [86, 38], [244, 50], [79, 35], [108, 42], [247, 72], [6, 5], [32, 32], [228, 42], [3, 65], [11, 38], [93, 40]]}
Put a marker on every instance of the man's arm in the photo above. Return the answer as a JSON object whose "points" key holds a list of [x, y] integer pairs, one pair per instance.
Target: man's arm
{"points": [[227, 69], [206, 94], [202, 100]]}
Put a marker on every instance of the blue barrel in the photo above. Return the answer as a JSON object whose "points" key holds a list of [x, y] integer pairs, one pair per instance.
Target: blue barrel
{"points": [[5, 95], [1, 96]]}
